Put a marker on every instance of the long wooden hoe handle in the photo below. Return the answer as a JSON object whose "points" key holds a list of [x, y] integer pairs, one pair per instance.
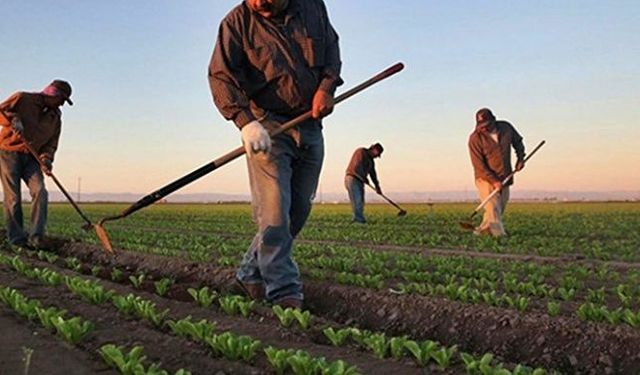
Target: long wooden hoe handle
{"points": [[507, 179], [236, 153]]}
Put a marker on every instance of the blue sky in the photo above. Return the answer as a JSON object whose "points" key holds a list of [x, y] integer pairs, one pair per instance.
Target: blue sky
{"points": [[564, 71]]}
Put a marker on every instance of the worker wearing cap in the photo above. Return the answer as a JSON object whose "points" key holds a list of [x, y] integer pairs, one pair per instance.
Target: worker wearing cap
{"points": [[36, 118], [361, 166], [490, 150]]}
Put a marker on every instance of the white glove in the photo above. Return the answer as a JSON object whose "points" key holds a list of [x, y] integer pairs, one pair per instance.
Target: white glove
{"points": [[255, 138], [16, 125]]}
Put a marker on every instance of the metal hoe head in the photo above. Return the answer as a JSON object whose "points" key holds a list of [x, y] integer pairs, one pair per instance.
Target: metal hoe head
{"points": [[467, 225], [402, 213], [102, 235]]}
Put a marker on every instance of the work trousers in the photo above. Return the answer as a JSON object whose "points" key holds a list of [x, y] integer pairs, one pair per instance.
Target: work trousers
{"points": [[283, 185], [355, 188], [493, 210], [14, 168]]}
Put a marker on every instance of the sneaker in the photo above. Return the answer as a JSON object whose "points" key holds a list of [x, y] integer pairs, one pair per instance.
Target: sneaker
{"points": [[255, 291], [290, 302]]}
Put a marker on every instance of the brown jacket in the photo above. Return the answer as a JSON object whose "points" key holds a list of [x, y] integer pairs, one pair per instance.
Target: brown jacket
{"points": [[264, 65], [492, 161], [361, 165], [42, 125]]}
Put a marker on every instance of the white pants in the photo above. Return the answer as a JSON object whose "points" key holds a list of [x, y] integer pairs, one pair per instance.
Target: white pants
{"points": [[493, 210]]}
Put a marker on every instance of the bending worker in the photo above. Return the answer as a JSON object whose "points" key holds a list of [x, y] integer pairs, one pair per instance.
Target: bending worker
{"points": [[361, 166], [490, 149], [274, 60], [35, 117]]}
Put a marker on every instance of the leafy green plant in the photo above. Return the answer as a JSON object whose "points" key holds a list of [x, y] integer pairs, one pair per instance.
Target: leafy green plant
{"points": [[378, 344], [116, 274], [73, 263], [131, 363], [46, 316], [337, 338], [19, 303], [278, 358], [137, 281], [397, 346], [233, 347], [289, 315], [72, 330], [422, 352], [47, 276], [196, 331], [90, 291], [162, 286], [202, 296], [443, 356], [553, 308], [95, 270]]}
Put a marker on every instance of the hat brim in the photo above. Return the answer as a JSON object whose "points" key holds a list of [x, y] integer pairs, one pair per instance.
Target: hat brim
{"points": [[68, 101]]}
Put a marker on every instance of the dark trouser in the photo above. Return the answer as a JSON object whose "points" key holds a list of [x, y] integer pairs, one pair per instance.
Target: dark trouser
{"points": [[355, 187], [14, 167], [283, 184]]}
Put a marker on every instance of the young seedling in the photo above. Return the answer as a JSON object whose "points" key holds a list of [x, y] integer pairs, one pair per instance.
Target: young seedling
{"points": [[553, 308], [162, 286], [196, 331], [95, 270], [47, 276], [72, 330], [73, 263], [378, 344], [443, 356], [338, 337], [279, 359], [46, 316], [137, 281], [90, 291], [203, 296], [233, 347], [422, 352], [397, 346]]}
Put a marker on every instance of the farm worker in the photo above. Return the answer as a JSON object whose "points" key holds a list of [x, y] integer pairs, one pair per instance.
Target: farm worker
{"points": [[490, 149], [273, 60], [362, 164], [35, 117]]}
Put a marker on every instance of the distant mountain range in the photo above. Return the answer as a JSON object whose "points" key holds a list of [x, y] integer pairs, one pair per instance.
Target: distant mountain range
{"points": [[406, 197]]}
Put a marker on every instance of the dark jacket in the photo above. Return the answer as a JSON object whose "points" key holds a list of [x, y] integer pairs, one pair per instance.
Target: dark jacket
{"points": [[261, 64], [361, 165], [42, 125], [492, 161]]}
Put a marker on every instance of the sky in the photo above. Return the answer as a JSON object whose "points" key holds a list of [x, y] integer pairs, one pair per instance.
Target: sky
{"points": [[561, 71]]}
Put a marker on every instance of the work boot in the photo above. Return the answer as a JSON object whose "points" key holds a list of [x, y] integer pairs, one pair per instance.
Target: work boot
{"points": [[255, 291], [290, 302]]}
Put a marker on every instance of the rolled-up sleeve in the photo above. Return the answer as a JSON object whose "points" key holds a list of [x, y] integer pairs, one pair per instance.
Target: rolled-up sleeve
{"points": [[226, 76]]}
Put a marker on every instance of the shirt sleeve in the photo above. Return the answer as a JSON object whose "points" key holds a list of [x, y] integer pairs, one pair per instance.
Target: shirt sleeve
{"points": [[48, 150], [374, 175], [516, 142], [479, 163], [226, 76], [331, 73]]}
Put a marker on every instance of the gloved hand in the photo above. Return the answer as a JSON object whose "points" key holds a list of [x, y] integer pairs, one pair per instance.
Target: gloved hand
{"points": [[255, 138], [46, 165], [519, 165], [16, 125], [378, 189], [497, 185]]}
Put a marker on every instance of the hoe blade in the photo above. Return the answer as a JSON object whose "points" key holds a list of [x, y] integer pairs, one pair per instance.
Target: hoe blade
{"points": [[104, 238]]}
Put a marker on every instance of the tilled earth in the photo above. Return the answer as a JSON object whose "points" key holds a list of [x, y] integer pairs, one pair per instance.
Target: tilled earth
{"points": [[563, 343]]}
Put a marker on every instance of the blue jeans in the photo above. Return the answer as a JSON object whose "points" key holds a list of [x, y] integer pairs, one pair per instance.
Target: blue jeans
{"points": [[283, 184], [355, 187], [16, 166]]}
